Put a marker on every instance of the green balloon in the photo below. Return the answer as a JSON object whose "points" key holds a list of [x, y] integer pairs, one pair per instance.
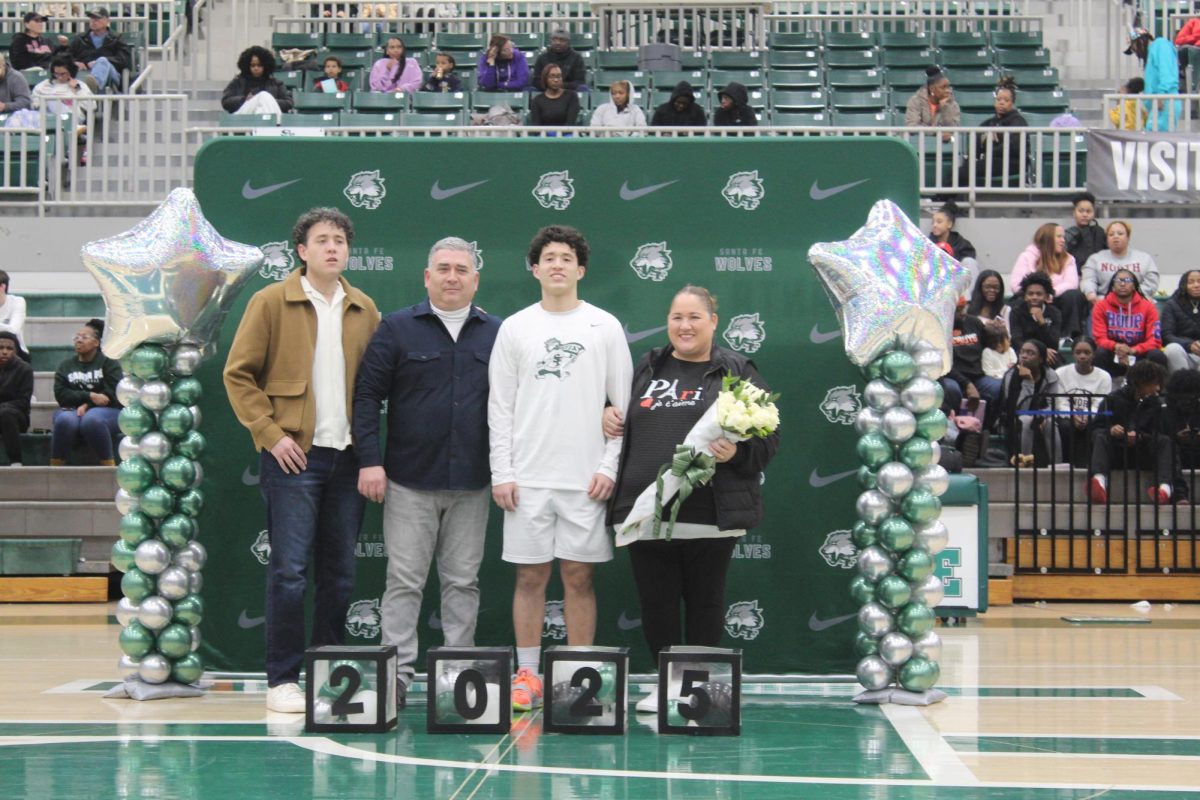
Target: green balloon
{"points": [[135, 475], [865, 644], [920, 505], [188, 669], [177, 530], [157, 502], [893, 591], [122, 555], [932, 425], [136, 528], [186, 391], [135, 420], [874, 450], [178, 473], [136, 640], [915, 565], [175, 420], [866, 478], [862, 590], [864, 535], [175, 641], [148, 361], [896, 534], [919, 674], [137, 585], [189, 610], [191, 501], [897, 367], [917, 452], [329, 690], [192, 445], [915, 620], [872, 371]]}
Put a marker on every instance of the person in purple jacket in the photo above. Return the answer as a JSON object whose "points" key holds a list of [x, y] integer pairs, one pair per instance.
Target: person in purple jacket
{"points": [[395, 72], [502, 67]]}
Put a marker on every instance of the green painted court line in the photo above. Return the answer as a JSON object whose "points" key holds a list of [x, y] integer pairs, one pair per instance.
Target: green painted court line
{"points": [[1085, 620], [1071, 745]]}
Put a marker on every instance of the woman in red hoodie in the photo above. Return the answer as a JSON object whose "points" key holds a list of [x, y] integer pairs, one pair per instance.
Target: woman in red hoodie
{"points": [[1125, 326]]}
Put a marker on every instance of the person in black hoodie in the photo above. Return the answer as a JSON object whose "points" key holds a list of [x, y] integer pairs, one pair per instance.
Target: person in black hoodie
{"points": [[1006, 116], [943, 234], [1181, 422], [681, 110], [1086, 237], [967, 366], [1181, 324], [1129, 421], [1035, 317], [1030, 386], [31, 48], [734, 110], [255, 90], [16, 390], [569, 61]]}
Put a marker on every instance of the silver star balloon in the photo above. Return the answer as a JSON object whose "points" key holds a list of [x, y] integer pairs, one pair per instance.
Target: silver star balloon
{"points": [[170, 279], [890, 284]]}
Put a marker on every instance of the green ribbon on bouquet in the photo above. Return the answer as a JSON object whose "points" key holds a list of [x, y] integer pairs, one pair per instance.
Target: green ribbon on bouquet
{"points": [[693, 469]]}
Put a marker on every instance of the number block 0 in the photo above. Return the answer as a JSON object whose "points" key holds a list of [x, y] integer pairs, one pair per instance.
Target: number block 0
{"points": [[470, 690], [586, 690], [700, 691], [350, 689]]}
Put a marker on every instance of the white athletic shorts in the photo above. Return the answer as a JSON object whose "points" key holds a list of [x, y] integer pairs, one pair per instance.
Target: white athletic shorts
{"points": [[555, 523]]}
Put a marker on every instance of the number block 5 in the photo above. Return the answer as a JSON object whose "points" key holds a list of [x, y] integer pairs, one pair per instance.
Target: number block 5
{"points": [[700, 691], [470, 690], [350, 689], [586, 690]]}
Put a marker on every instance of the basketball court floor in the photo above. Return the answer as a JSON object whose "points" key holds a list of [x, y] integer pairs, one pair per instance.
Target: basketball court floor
{"points": [[1039, 708]]}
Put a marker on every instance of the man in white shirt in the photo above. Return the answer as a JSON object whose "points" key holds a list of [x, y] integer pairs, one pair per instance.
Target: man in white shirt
{"points": [[12, 314], [553, 367]]}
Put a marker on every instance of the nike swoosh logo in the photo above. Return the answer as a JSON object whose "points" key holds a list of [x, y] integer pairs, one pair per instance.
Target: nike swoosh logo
{"points": [[817, 337], [631, 337], [250, 193], [249, 622], [817, 193], [627, 624], [249, 478], [438, 193], [819, 481], [815, 623], [435, 622], [634, 194]]}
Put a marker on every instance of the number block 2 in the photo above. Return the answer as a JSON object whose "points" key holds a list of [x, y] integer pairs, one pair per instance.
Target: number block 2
{"points": [[350, 689], [700, 691], [470, 690], [586, 690]]}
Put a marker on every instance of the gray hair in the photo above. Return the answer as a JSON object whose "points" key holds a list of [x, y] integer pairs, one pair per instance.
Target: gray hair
{"points": [[454, 243]]}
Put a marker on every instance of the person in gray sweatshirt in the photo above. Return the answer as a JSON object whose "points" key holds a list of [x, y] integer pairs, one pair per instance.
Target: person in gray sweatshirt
{"points": [[1100, 267], [14, 89]]}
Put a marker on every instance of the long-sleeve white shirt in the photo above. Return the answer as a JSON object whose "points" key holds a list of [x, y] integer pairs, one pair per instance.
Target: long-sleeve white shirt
{"points": [[550, 375], [12, 317], [329, 369]]}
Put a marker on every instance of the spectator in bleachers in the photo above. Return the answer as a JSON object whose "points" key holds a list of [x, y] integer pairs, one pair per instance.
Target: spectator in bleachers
{"points": [[104, 54], [966, 368], [681, 110], [1187, 41], [1181, 422], [65, 93], [16, 392], [987, 299], [1031, 438], [12, 314], [31, 48], [1126, 115], [1162, 77], [332, 69], [561, 53], [942, 232], [1100, 267], [1181, 324], [1087, 387], [1006, 116], [396, 71], [14, 89], [1048, 256], [734, 109], [256, 90], [1125, 326], [933, 105], [1085, 237], [1128, 429], [85, 388], [502, 67], [1036, 316], [556, 106], [442, 77], [619, 111], [998, 354]]}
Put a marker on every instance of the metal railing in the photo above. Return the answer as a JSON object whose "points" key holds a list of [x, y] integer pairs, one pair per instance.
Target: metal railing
{"points": [[925, 23], [1168, 112], [443, 24]]}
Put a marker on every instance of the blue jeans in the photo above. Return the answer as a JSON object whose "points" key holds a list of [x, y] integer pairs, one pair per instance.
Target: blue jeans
{"points": [[105, 73], [313, 516], [97, 427]]}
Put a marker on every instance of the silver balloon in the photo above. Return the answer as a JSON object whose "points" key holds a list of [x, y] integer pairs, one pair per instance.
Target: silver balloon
{"points": [[154, 668], [126, 502], [127, 667], [894, 479], [191, 557], [880, 395], [874, 563], [873, 507], [173, 583], [126, 611], [930, 363], [195, 582], [928, 646], [932, 537], [127, 390], [934, 478], [152, 556], [155, 447], [898, 425], [199, 479], [186, 359], [155, 612], [155, 395], [197, 417], [895, 648], [937, 453], [127, 448], [874, 620], [873, 673], [195, 631], [867, 421], [929, 592], [919, 395]]}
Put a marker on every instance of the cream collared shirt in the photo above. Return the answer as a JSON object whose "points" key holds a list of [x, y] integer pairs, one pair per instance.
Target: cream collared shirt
{"points": [[329, 370]]}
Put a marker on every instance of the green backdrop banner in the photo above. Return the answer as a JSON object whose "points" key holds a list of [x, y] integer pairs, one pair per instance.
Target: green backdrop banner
{"points": [[734, 216]]}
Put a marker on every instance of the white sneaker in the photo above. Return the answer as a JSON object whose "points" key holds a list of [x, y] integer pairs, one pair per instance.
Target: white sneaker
{"points": [[649, 703], [286, 698]]}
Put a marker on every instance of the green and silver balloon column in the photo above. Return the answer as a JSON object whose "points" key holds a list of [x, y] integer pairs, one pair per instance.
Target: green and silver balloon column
{"points": [[167, 285], [895, 293]]}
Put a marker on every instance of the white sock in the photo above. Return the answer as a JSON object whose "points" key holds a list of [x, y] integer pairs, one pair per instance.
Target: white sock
{"points": [[529, 658]]}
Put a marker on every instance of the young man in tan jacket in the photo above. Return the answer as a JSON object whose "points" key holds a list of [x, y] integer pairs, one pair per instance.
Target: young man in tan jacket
{"points": [[290, 379]]}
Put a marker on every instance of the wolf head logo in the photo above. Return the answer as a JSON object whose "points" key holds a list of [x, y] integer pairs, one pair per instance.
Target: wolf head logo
{"points": [[554, 626], [278, 261], [363, 619], [365, 190], [744, 190], [262, 548], [841, 404], [559, 356], [555, 190], [652, 261], [839, 550], [745, 333], [744, 620]]}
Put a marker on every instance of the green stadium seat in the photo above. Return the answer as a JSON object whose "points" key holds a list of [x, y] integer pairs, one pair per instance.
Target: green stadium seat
{"points": [[793, 102], [851, 40], [1023, 58], [855, 79], [312, 40], [807, 40], [1016, 40], [440, 102], [848, 100], [910, 58], [6, 38], [330, 119], [755, 98], [905, 40], [660, 96], [247, 121], [1034, 78], [960, 40], [293, 78], [972, 101], [738, 59], [356, 119], [617, 59], [604, 78], [905, 81], [791, 79], [356, 59], [1036, 119], [780, 60], [417, 120], [34, 75], [957, 59], [1054, 101], [667, 79], [466, 62], [381, 102], [529, 42], [862, 119], [351, 41], [461, 42], [413, 42], [583, 42], [750, 78], [792, 119], [851, 59], [968, 78], [517, 101], [319, 102]]}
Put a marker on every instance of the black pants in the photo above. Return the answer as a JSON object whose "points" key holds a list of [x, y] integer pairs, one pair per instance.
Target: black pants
{"points": [[12, 424], [1154, 460], [691, 571], [1076, 312]]}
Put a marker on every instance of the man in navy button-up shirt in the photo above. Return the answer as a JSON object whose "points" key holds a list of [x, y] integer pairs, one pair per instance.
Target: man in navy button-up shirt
{"points": [[430, 362]]}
